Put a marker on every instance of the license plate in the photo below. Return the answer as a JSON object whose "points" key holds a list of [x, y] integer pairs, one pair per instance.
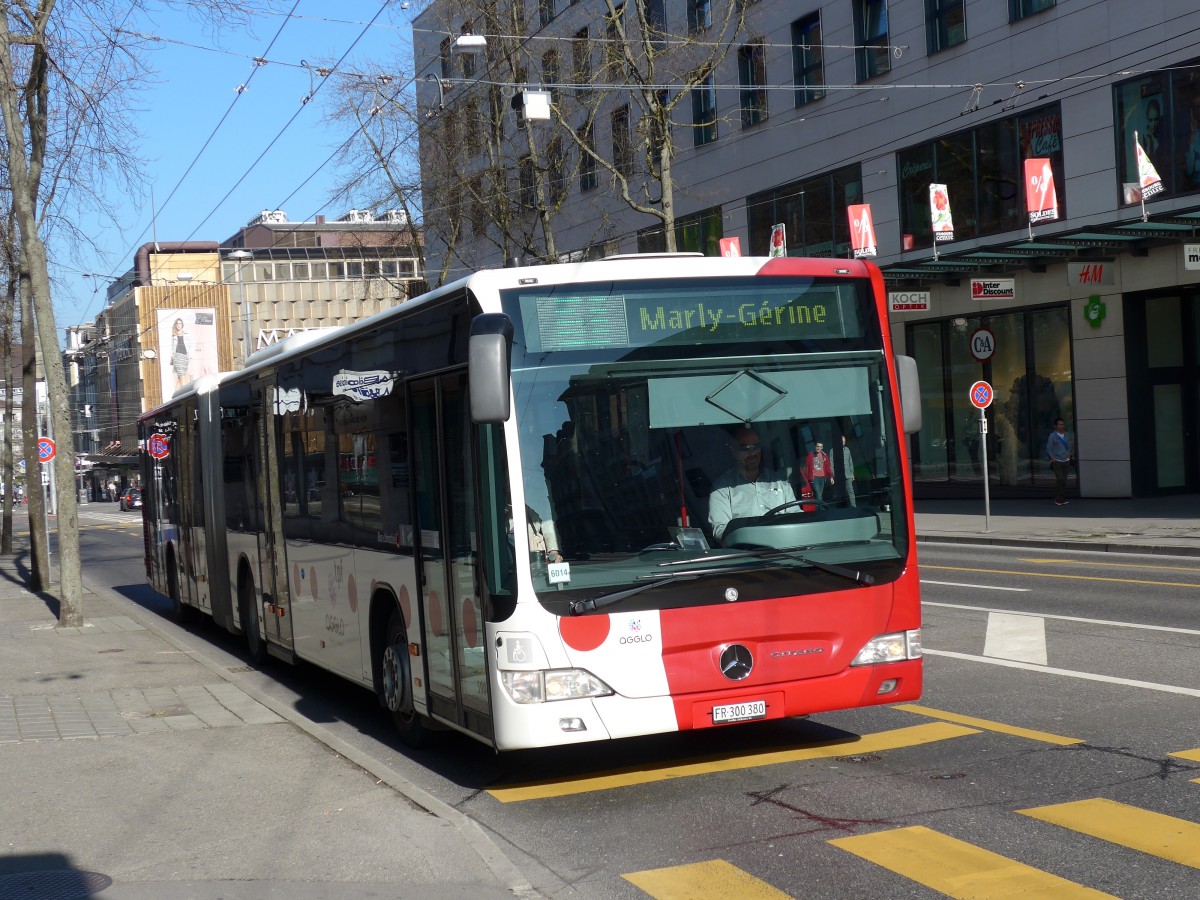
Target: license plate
{"points": [[740, 712]]}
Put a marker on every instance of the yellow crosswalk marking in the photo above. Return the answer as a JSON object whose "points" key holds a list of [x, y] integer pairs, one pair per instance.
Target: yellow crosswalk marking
{"points": [[987, 725], [959, 869], [617, 778], [1166, 837], [701, 881]]}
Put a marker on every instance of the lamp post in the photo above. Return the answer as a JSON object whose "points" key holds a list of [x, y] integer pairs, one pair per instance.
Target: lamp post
{"points": [[241, 257]]}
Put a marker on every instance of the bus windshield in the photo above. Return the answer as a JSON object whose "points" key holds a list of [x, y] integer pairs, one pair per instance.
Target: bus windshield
{"points": [[734, 426]]}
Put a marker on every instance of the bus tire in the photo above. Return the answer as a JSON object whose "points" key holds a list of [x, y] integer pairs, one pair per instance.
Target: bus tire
{"points": [[256, 647], [396, 684], [180, 611]]}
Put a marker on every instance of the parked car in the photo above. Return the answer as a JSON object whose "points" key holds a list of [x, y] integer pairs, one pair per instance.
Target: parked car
{"points": [[131, 498]]}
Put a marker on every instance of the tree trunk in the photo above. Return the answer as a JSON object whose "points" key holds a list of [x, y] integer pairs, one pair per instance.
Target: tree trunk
{"points": [[6, 437], [39, 546]]}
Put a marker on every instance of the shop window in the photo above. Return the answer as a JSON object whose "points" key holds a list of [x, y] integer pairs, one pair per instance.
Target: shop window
{"points": [[813, 213]]}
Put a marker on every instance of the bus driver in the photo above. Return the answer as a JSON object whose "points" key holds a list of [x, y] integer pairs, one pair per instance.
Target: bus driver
{"points": [[747, 489]]}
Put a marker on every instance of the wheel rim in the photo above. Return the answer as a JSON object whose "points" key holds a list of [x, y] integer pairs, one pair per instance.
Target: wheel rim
{"points": [[395, 684]]}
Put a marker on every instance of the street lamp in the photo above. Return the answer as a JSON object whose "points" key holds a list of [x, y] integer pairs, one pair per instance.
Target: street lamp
{"points": [[241, 257]]}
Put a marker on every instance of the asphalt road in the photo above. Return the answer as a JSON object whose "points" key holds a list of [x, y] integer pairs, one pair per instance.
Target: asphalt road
{"points": [[1058, 686]]}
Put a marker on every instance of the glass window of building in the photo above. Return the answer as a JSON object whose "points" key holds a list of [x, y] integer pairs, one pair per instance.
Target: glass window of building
{"points": [[1019, 9], [545, 12], [1161, 111], [283, 271], [1031, 375], [945, 24], [581, 63], [698, 232], [588, 179], [336, 271], [704, 113], [699, 15], [300, 271], [812, 211], [622, 140], [808, 70], [752, 76], [982, 168], [873, 56], [354, 269]]}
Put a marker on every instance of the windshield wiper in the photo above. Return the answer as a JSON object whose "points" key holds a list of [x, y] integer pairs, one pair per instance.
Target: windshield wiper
{"points": [[579, 607], [855, 575]]}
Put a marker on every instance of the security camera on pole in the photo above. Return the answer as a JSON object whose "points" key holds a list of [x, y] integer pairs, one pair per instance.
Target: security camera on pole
{"points": [[981, 397]]}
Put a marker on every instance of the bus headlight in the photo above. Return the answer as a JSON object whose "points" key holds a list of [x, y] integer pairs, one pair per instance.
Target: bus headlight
{"points": [[890, 648], [555, 684]]}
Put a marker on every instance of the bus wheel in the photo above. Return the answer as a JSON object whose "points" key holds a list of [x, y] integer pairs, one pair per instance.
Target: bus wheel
{"points": [[396, 673], [248, 607], [180, 611]]}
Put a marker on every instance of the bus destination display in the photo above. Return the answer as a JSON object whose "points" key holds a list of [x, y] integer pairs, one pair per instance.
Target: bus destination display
{"points": [[591, 321]]}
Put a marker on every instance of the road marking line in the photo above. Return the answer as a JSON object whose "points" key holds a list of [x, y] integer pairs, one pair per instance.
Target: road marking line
{"points": [[1012, 636], [988, 725], [1111, 565], [959, 869], [1050, 670], [895, 739], [1166, 837], [1182, 584], [1116, 624], [1191, 755], [715, 878], [983, 587]]}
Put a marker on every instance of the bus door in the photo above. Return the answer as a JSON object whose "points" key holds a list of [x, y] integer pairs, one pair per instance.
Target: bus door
{"points": [[448, 552], [276, 610]]}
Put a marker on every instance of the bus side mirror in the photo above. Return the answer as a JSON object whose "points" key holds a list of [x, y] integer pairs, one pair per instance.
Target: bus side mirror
{"points": [[488, 368], [910, 393]]}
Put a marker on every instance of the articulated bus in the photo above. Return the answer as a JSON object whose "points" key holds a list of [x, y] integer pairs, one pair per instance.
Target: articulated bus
{"points": [[491, 504]]}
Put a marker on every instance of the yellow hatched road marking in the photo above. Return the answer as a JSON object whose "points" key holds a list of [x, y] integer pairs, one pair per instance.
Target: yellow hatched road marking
{"points": [[1166, 837], [987, 725], [701, 881], [1192, 755], [1182, 584], [959, 869], [618, 778]]}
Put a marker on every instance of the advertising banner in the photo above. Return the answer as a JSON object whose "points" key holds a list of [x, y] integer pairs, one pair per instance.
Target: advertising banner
{"points": [[1148, 178], [1040, 197], [940, 217], [778, 240], [862, 230], [731, 246]]}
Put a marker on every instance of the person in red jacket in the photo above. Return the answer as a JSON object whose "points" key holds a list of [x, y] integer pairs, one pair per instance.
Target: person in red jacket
{"points": [[819, 470]]}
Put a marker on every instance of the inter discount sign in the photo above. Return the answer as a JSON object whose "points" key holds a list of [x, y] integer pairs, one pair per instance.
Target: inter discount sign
{"points": [[993, 289]]}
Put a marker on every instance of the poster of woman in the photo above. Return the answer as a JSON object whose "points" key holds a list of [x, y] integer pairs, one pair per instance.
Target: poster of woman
{"points": [[187, 346]]}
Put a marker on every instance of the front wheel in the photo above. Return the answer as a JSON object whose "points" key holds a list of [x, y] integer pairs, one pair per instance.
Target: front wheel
{"points": [[396, 672]]}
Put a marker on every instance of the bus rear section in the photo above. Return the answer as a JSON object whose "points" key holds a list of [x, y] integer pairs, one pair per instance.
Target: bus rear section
{"points": [[710, 503]]}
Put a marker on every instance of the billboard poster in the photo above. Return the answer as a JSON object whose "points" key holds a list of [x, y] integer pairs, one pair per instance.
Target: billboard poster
{"points": [[862, 230], [1040, 197], [187, 346], [939, 208]]}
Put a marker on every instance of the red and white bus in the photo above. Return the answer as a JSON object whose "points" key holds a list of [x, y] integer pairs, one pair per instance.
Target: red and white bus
{"points": [[490, 504]]}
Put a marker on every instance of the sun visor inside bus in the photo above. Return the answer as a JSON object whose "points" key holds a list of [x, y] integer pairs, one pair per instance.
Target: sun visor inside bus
{"points": [[758, 397]]}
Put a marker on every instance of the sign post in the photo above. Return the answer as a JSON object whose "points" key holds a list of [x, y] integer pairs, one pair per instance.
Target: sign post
{"points": [[981, 398]]}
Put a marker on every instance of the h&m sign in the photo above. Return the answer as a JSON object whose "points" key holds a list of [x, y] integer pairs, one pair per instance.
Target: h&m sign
{"points": [[1092, 273]]}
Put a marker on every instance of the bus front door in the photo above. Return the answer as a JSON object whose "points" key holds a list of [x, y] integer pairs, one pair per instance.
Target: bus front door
{"points": [[452, 620]]}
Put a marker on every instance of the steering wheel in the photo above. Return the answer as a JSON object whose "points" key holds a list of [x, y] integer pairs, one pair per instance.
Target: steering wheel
{"points": [[771, 512]]}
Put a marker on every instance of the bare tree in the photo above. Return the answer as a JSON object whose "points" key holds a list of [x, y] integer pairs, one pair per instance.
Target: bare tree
{"points": [[65, 80]]}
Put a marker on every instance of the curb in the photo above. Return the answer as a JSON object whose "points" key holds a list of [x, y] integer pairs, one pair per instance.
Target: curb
{"points": [[505, 871]]}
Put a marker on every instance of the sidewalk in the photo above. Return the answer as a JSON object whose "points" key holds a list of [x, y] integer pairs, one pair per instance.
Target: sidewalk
{"points": [[1166, 525], [133, 768]]}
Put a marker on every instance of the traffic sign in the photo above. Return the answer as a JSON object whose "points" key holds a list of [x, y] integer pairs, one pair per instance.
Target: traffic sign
{"points": [[983, 344], [46, 449], [981, 395], [159, 446]]}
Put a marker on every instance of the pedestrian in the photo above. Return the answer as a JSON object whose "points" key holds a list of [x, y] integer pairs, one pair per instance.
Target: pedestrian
{"points": [[1061, 454], [848, 471], [819, 471]]}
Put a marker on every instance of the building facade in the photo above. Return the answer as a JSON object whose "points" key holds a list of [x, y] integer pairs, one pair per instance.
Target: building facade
{"points": [[189, 309], [931, 114]]}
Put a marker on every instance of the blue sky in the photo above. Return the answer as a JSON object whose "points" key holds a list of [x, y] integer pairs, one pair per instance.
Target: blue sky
{"points": [[195, 84]]}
